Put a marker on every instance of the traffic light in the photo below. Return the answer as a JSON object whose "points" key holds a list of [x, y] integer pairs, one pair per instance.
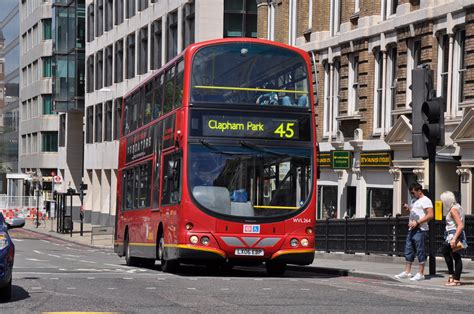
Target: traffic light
{"points": [[427, 114]]}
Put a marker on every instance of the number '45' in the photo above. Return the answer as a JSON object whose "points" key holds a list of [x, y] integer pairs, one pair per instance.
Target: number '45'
{"points": [[285, 130]]}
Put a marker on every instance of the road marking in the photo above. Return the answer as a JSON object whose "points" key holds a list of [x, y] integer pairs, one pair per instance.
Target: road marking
{"points": [[150, 288], [89, 262], [46, 241], [127, 278], [54, 278], [38, 252], [52, 255], [191, 288], [36, 288], [71, 288], [342, 289], [111, 288], [36, 260], [258, 279], [90, 278], [304, 289], [225, 289], [267, 288]]}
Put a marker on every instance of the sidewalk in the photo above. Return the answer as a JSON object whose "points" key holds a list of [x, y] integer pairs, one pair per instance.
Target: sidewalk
{"points": [[48, 228], [385, 267]]}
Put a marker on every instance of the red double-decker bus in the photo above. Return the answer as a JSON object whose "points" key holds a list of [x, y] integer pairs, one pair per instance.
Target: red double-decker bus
{"points": [[217, 159]]}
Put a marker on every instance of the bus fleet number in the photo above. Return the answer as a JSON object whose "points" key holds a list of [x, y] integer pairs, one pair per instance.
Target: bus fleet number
{"points": [[285, 130]]}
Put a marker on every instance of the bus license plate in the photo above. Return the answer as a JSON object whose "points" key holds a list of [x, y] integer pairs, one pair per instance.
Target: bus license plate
{"points": [[249, 252]]}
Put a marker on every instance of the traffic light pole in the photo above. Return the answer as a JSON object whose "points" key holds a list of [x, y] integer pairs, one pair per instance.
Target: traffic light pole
{"points": [[431, 223]]}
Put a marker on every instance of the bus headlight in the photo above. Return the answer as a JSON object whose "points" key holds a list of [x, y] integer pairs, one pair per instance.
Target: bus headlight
{"points": [[193, 239], [205, 240], [304, 242], [294, 242]]}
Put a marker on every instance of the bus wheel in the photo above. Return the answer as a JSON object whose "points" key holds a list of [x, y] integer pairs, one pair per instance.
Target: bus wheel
{"points": [[167, 266], [129, 259], [275, 268]]}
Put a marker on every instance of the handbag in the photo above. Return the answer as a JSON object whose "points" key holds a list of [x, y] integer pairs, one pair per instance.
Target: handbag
{"points": [[459, 246]]}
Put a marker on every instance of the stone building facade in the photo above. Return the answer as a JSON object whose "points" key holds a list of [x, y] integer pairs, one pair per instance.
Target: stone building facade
{"points": [[363, 54]]}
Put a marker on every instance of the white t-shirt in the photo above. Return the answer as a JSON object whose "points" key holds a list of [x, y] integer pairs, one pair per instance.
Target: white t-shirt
{"points": [[417, 210], [450, 223]]}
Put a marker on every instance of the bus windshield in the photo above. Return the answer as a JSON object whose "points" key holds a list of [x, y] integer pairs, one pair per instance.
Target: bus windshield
{"points": [[249, 73], [248, 180]]}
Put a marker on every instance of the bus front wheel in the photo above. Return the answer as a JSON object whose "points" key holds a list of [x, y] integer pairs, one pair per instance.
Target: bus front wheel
{"points": [[167, 266], [129, 259], [275, 268]]}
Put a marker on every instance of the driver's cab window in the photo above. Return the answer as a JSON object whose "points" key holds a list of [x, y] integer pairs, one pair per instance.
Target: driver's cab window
{"points": [[171, 179]]}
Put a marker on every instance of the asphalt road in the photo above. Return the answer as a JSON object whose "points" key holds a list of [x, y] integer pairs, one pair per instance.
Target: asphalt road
{"points": [[52, 275]]}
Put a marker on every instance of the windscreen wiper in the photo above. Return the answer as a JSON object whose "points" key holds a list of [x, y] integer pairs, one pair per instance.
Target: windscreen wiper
{"points": [[261, 149], [214, 149]]}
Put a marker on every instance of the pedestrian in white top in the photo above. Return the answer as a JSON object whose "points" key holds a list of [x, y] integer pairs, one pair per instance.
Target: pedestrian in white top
{"points": [[421, 212], [454, 237]]}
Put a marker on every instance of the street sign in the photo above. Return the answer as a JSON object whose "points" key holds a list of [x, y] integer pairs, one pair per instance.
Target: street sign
{"points": [[57, 180], [376, 159], [341, 159], [324, 160]]}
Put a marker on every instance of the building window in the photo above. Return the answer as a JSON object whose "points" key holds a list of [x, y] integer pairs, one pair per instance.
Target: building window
{"points": [[188, 24], [90, 22], [380, 202], [240, 18], [172, 27], [98, 123], [62, 130], [336, 94], [108, 65], [108, 121], [47, 34], [47, 67], [292, 23], [118, 12], [50, 141], [443, 62], [378, 97], [117, 117], [118, 61], [99, 69], [47, 105], [130, 57], [271, 21], [391, 86], [143, 50], [108, 15], [335, 17], [459, 67], [99, 18], [413, 60], [142, 5], [353, 106], [327, 100], [327, 196], [90, 74], [90, 125], [156, 45], [130, 10]]}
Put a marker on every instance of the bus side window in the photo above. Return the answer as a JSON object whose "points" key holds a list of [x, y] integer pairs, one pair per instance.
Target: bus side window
{"points": [[156, 173], [179, 84], [128, 189], [145, 187], [171, 179], [157, 96], [135, 104], [169, 91]]}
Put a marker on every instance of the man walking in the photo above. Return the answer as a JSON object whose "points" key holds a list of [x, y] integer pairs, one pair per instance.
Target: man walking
{"points": [[421, 211]]}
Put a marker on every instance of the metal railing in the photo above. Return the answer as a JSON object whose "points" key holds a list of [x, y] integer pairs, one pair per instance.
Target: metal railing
{"points": [[17, 202], [378, 235]]}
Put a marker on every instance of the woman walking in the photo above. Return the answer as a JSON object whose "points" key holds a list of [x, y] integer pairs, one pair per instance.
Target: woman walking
{"points": [[455, 238]]}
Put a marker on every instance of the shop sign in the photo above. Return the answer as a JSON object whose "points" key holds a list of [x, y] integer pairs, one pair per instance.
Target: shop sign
{"points": [[341, 159], [324, 160], [376, 159]]}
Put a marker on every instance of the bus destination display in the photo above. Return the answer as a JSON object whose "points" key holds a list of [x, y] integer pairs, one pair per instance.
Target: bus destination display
{"points": [[261, 127]]}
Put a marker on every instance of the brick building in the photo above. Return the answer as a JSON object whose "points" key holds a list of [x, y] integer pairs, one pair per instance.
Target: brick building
{"points": [[364, 52]]}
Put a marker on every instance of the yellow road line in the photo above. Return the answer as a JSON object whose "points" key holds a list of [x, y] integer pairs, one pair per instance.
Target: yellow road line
{"points": [[253, 89]]}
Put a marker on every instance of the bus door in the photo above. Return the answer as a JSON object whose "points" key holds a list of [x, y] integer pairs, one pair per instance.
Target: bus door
{"points": [[171, 194]]}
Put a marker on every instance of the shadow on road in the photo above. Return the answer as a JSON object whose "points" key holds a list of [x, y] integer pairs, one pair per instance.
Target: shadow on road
{"points": [[18, 294]]}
